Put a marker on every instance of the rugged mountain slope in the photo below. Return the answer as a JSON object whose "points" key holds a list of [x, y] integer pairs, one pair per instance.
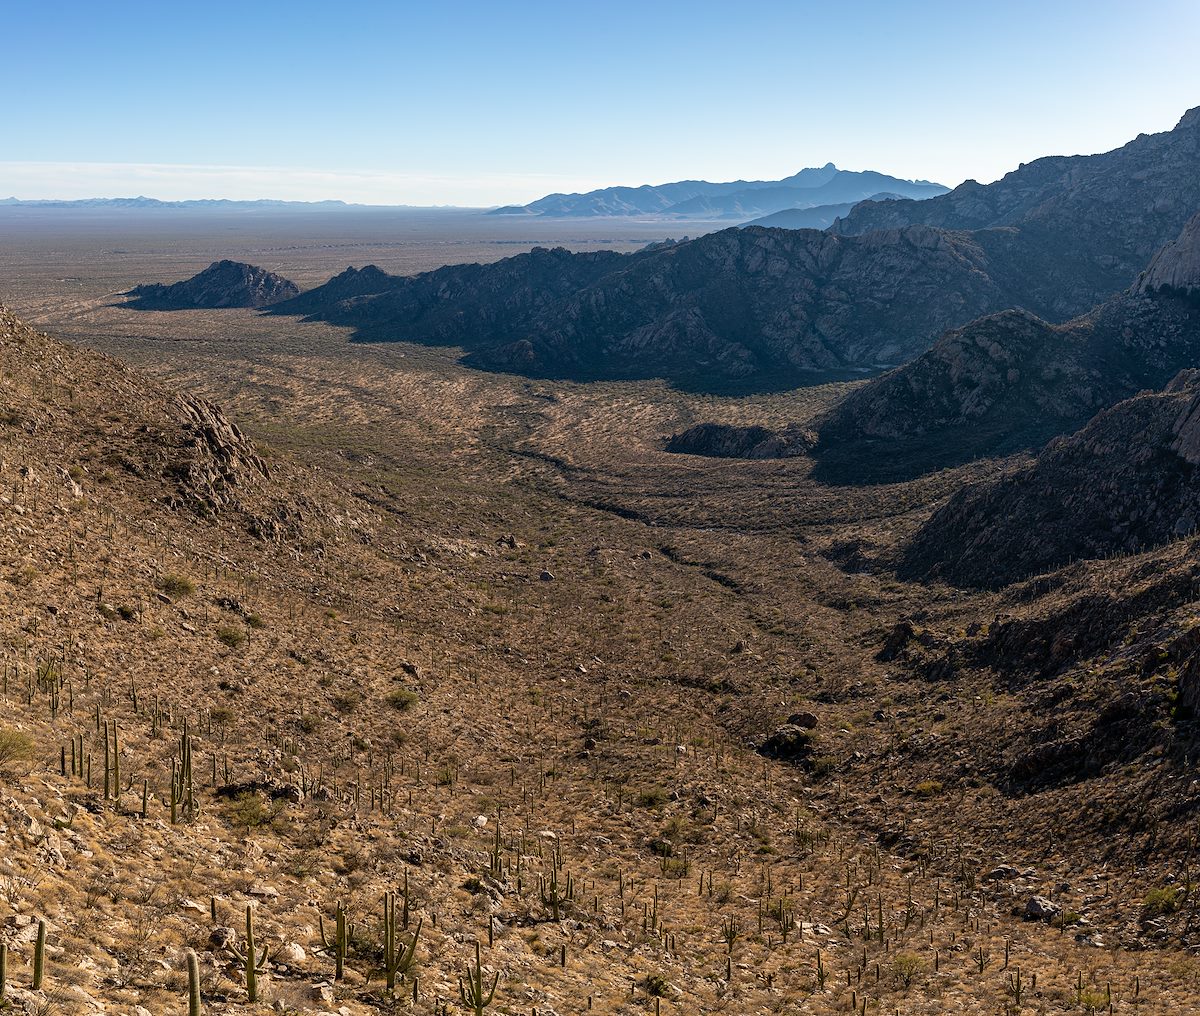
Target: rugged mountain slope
{"points": [[744, 304], [221, 284], [139, 437], [757, 307], [1012, 381], [1088, 223], [469, 305], [1127, 481], [738, 199]]}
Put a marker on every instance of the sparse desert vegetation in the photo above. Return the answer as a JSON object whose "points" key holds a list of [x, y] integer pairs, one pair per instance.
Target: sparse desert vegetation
{"points": [[473, 663]]}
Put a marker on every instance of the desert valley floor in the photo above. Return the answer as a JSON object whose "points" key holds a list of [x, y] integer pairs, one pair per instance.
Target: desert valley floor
{"points": [[501, 653]]}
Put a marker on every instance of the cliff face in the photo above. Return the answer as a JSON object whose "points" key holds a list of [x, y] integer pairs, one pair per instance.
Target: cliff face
{"points": [[222, 284], [1126, 482], [1176, 268]]}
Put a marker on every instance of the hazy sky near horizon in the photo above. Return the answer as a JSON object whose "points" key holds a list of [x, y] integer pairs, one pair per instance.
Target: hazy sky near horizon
{"points": [[478, 103]]}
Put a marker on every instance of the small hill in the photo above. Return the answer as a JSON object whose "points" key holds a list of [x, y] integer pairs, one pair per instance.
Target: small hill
{"points": [[814, 217], [222, 284], [353, 282], [1126, 482], [723, 441]]}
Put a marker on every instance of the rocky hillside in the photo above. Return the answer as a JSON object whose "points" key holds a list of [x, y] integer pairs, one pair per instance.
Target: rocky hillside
{"points": [[742, 304], [763, 308], [1005, 382], [1126, 482], [1011, 380], [174, 448], [222, 284], [1087, 224]]}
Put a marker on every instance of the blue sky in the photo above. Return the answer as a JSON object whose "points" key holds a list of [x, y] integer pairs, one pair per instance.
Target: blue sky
{"points": [[486, 103]]}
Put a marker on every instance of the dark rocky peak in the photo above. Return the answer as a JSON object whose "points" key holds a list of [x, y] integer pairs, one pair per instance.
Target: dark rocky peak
{"points": [[222, 284]]}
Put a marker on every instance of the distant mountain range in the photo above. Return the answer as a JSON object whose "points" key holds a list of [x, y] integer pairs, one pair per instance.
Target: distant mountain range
{"points": [[759, 307], [740, 199], [145, 202]]}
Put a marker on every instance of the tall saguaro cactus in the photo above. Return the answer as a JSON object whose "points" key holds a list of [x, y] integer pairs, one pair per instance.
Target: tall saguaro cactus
{"points": [[39, 957], [472, 992], [396, 961], [336, 945], [254, 965], [193, 966]]}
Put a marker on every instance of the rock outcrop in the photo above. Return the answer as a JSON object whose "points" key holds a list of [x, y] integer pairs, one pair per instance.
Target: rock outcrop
{"points": [[1176, 268], [1012, 381], [222, 284], [178, 449], [722, 441], [1126, 482]]}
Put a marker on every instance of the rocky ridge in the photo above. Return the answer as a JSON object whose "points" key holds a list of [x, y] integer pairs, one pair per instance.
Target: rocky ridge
{"points": [[1126, 482], [1086, 224], [222, 284], [761, 308], [1011, 380]]}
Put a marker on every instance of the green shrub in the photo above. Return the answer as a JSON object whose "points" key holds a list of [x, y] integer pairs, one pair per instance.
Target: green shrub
{"points": [[906, 967], [346, 701], [928, 788], [657, 986], [401, 699], [1161, 902], [234, 638], [249, 811], [16, 748], [175, 585]]}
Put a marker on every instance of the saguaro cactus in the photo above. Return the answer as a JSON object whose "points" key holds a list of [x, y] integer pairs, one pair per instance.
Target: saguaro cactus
{"points": [[254, 965], [396, 961], [337, 945], [39, 957], [472, 991], [193, 966]]}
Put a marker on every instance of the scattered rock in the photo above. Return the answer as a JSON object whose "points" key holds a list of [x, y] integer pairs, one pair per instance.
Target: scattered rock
{"points": [[1038, 908]]}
